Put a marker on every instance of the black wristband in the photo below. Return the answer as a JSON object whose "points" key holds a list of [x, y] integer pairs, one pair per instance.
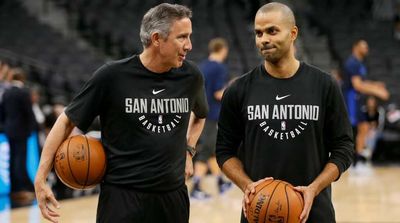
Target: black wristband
{"points": [[191, 150]]}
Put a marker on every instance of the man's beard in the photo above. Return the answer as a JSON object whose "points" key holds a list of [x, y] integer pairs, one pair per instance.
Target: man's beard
{"points": [[272, 58]]}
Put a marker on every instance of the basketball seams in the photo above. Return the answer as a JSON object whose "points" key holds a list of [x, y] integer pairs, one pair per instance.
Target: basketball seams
{"points": [[88, 162], [270, 198], [259, 191], [266, 185], [101, 174], [69, 163], [57, 163], [76, 157], [281, 206], [288, 203], [300, 199]]}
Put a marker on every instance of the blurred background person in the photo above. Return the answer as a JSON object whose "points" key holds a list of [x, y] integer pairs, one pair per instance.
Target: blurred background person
{"points": [[18, 119], [39, 115], [356, 90], [215, 78], [374, 114]]}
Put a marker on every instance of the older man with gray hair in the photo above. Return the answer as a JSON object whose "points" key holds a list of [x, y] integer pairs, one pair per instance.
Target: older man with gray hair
{"points": [[152, 108]]}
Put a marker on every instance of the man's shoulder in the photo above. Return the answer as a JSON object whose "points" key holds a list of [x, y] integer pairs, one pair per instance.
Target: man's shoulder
{"points": [[110, 68], [115, 64], [244, 81], [351, 61], [316, 71], [250, 75]]}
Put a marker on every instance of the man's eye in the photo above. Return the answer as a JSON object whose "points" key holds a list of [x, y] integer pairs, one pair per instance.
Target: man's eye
{"points": [[259, 33], [272, 31]]}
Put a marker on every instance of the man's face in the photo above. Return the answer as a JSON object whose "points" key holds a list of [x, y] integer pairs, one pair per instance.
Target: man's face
{"points": [[224, 52], [363, 48], [274, 35], [174, 48]]}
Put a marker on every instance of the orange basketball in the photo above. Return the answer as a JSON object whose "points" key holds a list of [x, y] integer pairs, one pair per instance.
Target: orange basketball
{"points": [[275, 201], [80, 162]]}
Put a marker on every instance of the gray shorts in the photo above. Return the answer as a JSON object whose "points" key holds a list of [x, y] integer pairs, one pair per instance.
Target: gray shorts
{"points": [[208, 140]]}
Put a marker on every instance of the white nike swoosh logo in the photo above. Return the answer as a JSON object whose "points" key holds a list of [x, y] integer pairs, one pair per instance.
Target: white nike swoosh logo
{"points": [[280, 98], [159, 91]]}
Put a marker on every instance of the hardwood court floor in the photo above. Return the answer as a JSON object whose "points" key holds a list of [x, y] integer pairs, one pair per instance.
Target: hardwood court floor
{"points": [[369, 194]]}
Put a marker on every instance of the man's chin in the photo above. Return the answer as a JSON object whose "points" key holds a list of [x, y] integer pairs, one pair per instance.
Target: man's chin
{"points": [[270, 58], [178, 64]]}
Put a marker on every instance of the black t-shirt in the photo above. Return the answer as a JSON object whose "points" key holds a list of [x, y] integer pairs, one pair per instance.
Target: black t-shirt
{"points": [[144, 119], [288, 129]]}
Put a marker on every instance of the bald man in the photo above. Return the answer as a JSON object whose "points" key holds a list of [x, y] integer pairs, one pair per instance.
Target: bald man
{"points": [[286, 120]]}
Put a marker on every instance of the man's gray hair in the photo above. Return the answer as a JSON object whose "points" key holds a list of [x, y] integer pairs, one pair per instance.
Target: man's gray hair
{"points": [[159, 19]]}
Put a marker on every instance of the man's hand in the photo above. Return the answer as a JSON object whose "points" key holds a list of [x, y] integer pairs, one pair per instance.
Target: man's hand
{"points": [[189, 166], [251, 189], [309, 194], [45, 197]]}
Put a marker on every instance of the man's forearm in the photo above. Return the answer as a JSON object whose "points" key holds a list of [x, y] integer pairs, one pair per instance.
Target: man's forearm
{"points": [[325, 178], [373, 89], [233, 169], [60, 131]]}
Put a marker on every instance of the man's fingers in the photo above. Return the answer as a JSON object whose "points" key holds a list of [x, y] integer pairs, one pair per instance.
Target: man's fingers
{"points": [[47, 216], [47, 212], [246, 197], [306, 209], [298, 189], [304, 218], [268, 178], [54, 202], [255, 184], [244, 208], [52, 212]]}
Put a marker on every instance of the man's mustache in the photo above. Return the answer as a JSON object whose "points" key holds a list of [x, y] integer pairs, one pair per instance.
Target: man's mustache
{"points": [[267, 47]]}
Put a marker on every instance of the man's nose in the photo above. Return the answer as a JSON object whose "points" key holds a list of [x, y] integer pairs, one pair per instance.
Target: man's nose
{"points": [[265, 39], [188, 45]]}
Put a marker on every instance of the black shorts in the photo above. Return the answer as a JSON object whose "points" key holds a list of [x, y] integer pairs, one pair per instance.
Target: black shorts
{"points": [[208, 141], [122, 205]]}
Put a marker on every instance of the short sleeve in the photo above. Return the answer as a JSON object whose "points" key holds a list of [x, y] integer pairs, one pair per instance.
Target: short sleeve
{"points": [[221, 78], [200, 108], [353, 68], [87, 104]]}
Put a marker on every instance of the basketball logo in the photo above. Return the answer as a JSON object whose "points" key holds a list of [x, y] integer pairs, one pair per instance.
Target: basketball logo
{"points": [[283, 125]]}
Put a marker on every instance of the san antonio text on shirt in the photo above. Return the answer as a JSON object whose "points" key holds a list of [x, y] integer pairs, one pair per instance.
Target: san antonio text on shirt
{"points": [[167, 111], [293, 119], [157, 105]]}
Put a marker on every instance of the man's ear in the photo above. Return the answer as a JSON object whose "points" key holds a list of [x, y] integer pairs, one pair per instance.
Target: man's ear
{"points": [[294, 33], [155, 39]]}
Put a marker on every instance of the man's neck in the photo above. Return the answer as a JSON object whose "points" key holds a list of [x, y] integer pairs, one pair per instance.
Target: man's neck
{"points": [[358, 56], [18, 84], [285, 68], [153, 62], [216, 57]]}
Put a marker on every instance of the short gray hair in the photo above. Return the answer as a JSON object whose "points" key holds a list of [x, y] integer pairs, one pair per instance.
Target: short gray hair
{"points": [[159, 19]]}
